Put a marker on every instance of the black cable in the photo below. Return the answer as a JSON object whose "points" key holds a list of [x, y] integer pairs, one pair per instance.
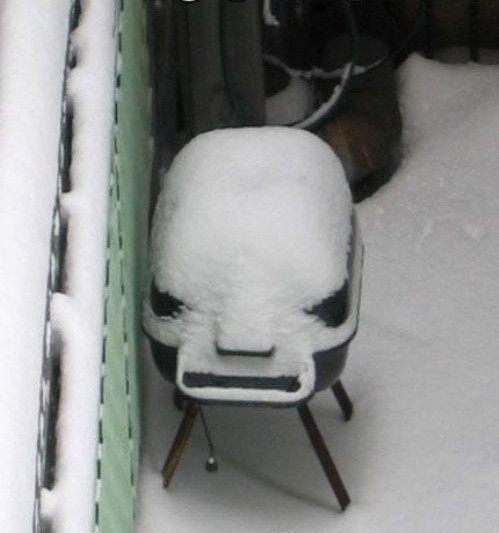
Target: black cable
{"points": [[324, 114], [429, 47], [317, 73], [222, 29], [211, 464], [393, 55], [474, 29]]}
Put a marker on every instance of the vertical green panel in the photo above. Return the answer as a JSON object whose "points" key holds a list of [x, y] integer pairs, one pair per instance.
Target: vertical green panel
{"points": [[127, 249], [134, 150]]}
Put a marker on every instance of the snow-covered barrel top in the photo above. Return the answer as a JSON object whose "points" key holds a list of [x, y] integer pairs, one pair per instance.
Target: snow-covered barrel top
{"points": [[252, 228]]}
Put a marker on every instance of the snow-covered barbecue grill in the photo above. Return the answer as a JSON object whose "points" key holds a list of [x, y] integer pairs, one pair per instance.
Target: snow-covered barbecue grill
{"points": [[256, 263]]}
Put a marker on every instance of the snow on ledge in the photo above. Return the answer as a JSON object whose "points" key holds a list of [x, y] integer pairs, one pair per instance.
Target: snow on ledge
{"points": [[78, 314], [32, 55], [33, 43]]}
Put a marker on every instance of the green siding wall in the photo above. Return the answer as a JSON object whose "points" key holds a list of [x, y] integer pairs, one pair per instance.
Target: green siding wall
{"points": [[119, 425]]}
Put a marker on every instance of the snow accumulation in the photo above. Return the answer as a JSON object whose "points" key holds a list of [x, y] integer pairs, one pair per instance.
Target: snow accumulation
{"points": [[269, 17], [33, 42], [421, 453], [32, 55], [251, 229], [78, 314]]}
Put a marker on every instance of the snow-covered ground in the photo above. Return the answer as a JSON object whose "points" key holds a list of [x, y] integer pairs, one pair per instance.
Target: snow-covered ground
{"points": [[421, 454]]}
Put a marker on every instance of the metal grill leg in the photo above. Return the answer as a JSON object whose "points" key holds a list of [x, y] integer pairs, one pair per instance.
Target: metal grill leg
{"points": [[179, 400], [179, 444], [343, 400], [324, 457]]}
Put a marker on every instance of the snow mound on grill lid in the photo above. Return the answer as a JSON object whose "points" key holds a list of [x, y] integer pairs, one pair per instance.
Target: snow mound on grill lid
{"points": [[250, 223]]}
